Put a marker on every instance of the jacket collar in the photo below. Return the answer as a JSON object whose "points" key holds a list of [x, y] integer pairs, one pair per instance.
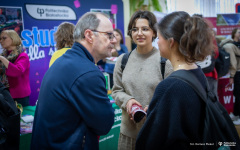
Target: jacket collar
{"points": [[83, 50]]}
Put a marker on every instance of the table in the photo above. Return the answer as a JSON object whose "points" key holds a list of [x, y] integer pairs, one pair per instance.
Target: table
{"points": [[110, 141], [25, 139], [107, 142]]}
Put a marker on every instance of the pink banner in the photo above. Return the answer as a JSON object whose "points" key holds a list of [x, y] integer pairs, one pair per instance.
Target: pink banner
{"points": [[226, 97], [226, 30]]}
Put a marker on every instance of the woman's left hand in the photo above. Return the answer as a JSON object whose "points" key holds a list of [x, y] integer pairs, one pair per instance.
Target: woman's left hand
{"points": [[4, 61]]}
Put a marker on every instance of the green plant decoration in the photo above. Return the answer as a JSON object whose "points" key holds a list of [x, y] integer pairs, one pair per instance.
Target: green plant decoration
{"points": [[150, 5]]}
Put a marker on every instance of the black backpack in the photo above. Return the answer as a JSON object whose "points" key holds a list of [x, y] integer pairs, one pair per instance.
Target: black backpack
{"points": [[218, 127], [223, 62], [9, 121], [125, 60]]}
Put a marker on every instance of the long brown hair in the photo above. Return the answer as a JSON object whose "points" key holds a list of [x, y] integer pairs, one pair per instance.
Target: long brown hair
{"points": [[119, 32]]}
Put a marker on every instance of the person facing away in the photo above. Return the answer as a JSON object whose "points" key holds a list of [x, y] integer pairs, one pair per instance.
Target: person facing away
{"points": [[212, 76], [64, 40], [232, 47], [136, 84], [73, 107], [14, 67], [119, 49], [175, 116]]}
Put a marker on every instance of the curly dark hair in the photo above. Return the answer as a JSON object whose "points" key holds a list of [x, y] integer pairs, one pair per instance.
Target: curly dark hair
{"points": [[192, 33], [64, 35]]}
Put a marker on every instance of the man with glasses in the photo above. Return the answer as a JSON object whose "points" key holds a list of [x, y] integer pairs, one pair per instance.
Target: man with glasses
{"points": [[73, 107]]}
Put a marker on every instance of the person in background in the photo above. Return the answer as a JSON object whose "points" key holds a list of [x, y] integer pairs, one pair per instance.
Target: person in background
{"points": [[64, 40], [175, 104], [120, 48], [231, 46], [136, 84], [212, 76], [14, 67], [73, 106], [236, 37]]}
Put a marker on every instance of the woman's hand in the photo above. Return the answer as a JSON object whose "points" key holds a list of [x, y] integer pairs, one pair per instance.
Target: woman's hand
{"points": [[4, 61], [129, 107], [145, 108], [114, 53]]}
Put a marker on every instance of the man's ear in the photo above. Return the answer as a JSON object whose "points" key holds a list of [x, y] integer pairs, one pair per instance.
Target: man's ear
{"points": [[88, 34]]}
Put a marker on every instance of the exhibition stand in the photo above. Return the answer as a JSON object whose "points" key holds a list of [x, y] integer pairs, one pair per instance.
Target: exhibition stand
{"points": [[225, 94], [110, 141], [25, 139], [107, 142]]}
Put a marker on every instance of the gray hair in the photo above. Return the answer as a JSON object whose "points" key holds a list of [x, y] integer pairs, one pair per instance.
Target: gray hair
{"points": [[87, 21]]}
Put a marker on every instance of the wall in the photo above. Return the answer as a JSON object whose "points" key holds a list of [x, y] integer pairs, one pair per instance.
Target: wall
{"points": [[37, 34]]}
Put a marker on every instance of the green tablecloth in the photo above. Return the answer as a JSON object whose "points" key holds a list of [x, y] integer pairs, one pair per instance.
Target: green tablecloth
{"points": [[29, 110], [107, 142], [25, 139], [110, 141]]}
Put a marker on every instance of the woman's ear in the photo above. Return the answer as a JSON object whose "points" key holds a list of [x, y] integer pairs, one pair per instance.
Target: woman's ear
{"points": [[171, 42]]}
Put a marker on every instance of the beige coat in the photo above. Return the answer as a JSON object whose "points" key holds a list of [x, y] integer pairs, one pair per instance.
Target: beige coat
{"points": [[234, 52]]}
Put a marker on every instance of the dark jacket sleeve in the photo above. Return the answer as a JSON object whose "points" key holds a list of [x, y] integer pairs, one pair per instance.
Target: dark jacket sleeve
{"points": [[92, 103], [173, 117]]}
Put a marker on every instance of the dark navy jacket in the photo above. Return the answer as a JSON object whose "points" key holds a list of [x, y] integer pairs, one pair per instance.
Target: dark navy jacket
{"points": [[73, 106]]}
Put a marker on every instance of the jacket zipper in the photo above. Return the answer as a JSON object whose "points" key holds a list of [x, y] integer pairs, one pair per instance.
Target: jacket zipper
{"points": [[83, 141]]}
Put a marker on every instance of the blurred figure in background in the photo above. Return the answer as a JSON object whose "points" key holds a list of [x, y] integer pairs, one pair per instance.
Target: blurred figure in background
{"points": [[120, 48], [208, 65], [14, 67], [212, 76], [64, 40], [232, 47]]}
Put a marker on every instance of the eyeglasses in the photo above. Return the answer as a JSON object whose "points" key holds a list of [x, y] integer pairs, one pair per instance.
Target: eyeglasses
{"points": [[3, 38], [144, 30], [110, 35]]}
